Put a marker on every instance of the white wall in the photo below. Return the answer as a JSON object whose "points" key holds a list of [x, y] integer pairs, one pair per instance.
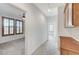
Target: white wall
{"points": [[36, 29], [9, 11], [70, 32]]}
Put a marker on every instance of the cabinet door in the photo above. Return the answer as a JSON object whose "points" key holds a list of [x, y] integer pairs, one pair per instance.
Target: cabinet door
{"points": [[64, 52], [75, 14], [73, 53]]}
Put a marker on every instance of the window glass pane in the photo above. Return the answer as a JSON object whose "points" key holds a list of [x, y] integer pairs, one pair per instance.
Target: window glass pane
{"points": [[17, 29], [17, 23], [20, 27], [6, 30], [11, 26], [6, 22], [50, 37], [11, 22], [20, 24], [11, 29], [50, 27]]}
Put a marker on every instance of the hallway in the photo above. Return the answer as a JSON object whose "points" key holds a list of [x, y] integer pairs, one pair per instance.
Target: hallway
{"points": [[48, 48]]}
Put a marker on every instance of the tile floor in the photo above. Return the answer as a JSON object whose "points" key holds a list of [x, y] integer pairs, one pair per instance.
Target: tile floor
{"points": [[16, 47], [48, 48]]}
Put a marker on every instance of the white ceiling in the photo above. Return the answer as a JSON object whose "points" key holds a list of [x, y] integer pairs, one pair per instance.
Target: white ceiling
{"points": [[43, 7], [51, 6]]}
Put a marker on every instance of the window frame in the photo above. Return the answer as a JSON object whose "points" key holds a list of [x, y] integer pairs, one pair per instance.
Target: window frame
{"points": [[8, 26], [14, 26]]}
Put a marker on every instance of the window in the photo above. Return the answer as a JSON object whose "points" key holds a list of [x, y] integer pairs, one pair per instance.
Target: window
{"points": [[50, 31], [19, 26], [11, 26], [50, 27], [7, 26]]}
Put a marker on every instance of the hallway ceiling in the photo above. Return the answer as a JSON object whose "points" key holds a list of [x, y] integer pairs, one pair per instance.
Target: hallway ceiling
{"points": [[48, 8]]}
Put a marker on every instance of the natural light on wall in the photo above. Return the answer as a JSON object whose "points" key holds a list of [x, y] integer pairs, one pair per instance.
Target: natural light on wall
{"points": [[50, 31], [51, 28]]}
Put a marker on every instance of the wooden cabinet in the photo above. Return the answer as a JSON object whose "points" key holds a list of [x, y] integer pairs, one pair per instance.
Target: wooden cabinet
{"points": [[68, 52], [69, 46], [71, 15], [75, 14], [64, 52]]}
